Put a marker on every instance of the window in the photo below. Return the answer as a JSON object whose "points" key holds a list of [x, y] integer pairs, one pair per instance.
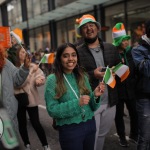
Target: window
{"points": [[114, 14], [59, 3], [61, 32], [36, 7], [14, 12], [38, 39], [44, 6], [30, 8], [32, 41], [47, 38], [137, 13], [71, 30], [136, 23]]}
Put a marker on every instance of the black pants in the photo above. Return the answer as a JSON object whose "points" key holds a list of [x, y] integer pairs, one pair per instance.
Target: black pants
{"points": [[119, 120], [34, 118]]}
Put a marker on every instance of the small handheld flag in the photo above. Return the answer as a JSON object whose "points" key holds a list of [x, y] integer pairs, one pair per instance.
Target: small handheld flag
{"points": [[121, 71], [5, 40], [108, 78], [47, 58]]}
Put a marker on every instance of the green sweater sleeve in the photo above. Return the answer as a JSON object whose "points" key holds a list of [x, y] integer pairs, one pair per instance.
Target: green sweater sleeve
{"points": [[66, 109], [59, 108]]}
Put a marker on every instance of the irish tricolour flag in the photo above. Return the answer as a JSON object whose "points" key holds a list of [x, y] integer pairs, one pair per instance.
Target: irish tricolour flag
{"points": [[108, 78], [122, 71], [48, 58]]}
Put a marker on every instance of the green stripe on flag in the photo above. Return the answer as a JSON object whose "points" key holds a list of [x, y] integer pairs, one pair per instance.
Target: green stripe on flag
{"points": [[43, 59], [117, 67], [107, 75]]}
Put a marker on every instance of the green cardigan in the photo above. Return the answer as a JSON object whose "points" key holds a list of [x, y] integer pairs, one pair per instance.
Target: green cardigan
{"points": [[66, 109]]}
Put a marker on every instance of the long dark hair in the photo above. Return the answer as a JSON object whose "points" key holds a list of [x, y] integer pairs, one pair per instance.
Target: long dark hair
{"points": [[18, 47], [78, 72]]}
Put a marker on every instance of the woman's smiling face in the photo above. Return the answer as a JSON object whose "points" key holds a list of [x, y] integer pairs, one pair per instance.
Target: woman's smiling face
{"points": [[69, 59], [22, 54]]}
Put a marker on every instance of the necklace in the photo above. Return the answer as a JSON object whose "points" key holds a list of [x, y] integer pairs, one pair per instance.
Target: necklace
{"points": [[96, 49], [82, 109]]}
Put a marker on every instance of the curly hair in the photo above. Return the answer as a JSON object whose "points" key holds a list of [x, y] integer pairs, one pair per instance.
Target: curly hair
{"points": [[2, 57]]}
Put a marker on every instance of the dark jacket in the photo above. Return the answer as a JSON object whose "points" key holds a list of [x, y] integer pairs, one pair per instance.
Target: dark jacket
{"points": [[141, 57], [126, 89], [87, 61]]}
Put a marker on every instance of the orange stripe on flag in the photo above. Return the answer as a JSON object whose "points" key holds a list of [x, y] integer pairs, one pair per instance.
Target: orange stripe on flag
{"points": [[125, 75], [112, 84], [51, 58]]}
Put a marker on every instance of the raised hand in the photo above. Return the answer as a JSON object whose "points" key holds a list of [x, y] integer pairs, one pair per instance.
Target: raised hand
{"points": [[99, 90], [27, 61], [98, 74]]}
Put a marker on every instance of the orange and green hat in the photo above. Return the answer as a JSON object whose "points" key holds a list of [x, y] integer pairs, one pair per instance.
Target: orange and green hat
{"points": [[119, 34], [85, 19], [17, 33]]}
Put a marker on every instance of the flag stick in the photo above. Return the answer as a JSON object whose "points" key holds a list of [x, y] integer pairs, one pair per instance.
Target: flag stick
{"points": [[41, 60], [104, 77], [104, 74]]}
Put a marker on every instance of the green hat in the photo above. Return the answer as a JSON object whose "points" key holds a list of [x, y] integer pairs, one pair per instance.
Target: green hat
{"points": [[85, 19], [119, 34]]}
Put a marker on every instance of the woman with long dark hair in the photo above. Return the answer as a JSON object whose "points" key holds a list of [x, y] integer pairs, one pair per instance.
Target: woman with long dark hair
{"points": [[34, 80], [70, 100]]}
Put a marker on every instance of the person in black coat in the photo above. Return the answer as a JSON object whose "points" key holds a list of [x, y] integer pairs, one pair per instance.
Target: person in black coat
{"points": [[95, 54], [126, 89], [141, 57]]}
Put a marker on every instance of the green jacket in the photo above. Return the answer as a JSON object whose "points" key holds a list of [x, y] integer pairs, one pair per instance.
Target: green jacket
{"points": [[66, 109]]}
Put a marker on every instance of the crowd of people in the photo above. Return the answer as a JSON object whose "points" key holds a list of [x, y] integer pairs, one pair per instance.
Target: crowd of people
{"points": [[82, 105]]}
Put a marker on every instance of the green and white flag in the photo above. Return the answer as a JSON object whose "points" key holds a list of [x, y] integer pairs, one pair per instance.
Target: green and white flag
{"points": [[121, 71], [108, 78]]}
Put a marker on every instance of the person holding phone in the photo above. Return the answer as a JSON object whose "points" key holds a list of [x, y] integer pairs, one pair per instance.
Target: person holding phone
{"points": [[95, 54], [103, 69]]}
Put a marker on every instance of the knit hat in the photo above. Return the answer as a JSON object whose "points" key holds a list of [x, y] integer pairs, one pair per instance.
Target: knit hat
{"points": [[17, 33], [119, 34], [85, 19]]}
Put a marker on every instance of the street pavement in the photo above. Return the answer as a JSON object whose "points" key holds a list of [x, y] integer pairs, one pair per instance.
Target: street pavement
{"points": [[111, 142]]}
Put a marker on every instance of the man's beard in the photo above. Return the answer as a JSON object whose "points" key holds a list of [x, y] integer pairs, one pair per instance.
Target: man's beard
{"points": [[91, 40]]}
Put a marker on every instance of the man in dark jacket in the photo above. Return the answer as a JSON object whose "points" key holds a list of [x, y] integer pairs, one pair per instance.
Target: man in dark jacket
{"points": [[95, 54], [141, 57], [126, 89]]}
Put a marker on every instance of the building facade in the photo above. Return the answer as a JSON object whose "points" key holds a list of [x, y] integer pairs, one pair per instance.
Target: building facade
{"points": [[49, 23]]}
